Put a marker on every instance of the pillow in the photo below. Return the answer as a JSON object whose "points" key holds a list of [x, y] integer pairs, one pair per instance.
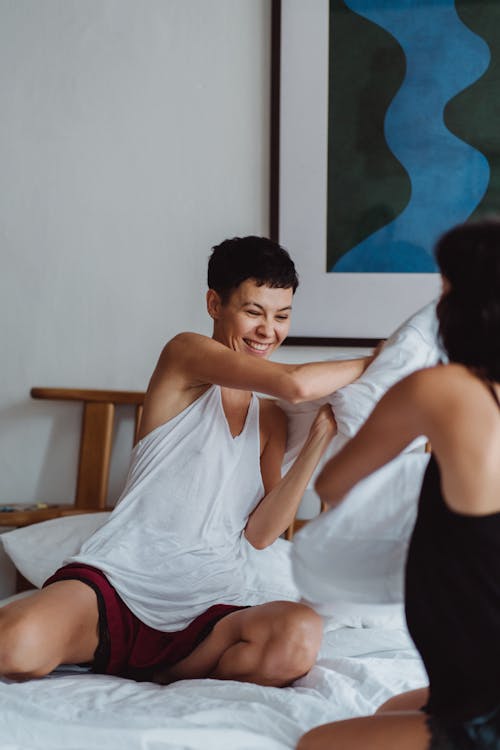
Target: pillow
{"points": [[352, 558], [355, 553], [39, 550], [412, 346]]}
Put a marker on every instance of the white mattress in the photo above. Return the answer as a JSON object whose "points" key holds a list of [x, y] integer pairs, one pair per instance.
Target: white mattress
{"points": [[358, 669]]}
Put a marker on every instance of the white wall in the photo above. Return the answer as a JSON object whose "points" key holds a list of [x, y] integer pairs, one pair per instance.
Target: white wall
{"points": [[133, 137]]}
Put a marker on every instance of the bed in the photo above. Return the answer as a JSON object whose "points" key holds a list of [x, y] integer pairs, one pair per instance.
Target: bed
{"points": [[365, 658], [358, 668], [366, 655]]}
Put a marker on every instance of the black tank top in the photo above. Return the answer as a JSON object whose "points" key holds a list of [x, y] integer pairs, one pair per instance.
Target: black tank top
{"points": [[453, 602]]}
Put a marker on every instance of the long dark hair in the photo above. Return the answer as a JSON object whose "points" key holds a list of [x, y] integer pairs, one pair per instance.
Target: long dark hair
{"points": [[469, 312]]}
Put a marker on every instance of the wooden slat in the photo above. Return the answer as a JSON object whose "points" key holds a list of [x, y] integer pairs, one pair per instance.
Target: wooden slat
{"points": [[88, 395], [95, 454], [137, 426]]}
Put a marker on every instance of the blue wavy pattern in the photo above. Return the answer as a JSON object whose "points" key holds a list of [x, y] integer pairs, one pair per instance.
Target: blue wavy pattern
{"points": [[448, 177]]}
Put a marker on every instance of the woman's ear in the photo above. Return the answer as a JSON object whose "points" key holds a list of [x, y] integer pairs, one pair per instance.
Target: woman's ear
{"points": [[213, 304], [445, 285]]}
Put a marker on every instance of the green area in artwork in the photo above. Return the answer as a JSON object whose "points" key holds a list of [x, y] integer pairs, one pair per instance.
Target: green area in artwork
{"points": [[367, 186], [474, 114]]}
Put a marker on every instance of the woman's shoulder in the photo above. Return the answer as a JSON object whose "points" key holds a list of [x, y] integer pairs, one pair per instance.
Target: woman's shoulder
{"points": [[444, 392], [450, 378], [455, 400], [453, 378]]}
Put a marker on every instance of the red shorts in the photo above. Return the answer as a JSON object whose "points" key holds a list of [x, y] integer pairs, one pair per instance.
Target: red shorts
{"points": [[127, 647]]}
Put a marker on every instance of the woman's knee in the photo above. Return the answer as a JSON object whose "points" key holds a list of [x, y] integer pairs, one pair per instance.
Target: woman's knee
{"points": [[324, 737], [21, 651], [272, 644], [295, 642], [304, 628]]}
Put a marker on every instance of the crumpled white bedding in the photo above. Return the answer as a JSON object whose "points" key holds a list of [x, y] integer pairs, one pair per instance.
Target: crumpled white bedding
{"points": [[358, 669]]}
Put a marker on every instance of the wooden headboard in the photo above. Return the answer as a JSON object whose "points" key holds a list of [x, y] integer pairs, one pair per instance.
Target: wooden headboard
{"points": [[96, 440]]}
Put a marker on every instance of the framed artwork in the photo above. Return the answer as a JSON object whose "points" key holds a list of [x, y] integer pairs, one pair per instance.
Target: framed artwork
{"points": [[383, 137]]}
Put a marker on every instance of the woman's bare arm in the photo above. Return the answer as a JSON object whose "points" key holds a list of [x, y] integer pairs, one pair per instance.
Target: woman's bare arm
{"points": [[453, 409], [202, 360], [189, 363], [278, 508]]}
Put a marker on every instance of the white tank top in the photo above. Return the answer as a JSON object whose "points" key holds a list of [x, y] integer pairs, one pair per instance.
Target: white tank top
{"points": [[174, 544]]}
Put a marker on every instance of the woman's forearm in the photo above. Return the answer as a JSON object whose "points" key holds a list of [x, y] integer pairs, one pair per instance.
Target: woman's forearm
{"points": [[278, 508], [319, 379]]}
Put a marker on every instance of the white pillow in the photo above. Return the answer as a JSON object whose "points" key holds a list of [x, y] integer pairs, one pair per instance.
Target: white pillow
{"points": [[355, 553], [412, 346], [39, 550], [352, 558]]}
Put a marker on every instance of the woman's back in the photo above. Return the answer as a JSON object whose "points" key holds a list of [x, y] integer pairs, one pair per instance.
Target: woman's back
{"points": [[464, 429], [453, 567]]}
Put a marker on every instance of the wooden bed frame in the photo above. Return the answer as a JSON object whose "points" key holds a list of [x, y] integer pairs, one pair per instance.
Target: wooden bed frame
{"points": [[96, 441]]}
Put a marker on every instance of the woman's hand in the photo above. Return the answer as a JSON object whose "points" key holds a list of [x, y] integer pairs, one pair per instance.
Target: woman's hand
{"points": [[324, 425]]}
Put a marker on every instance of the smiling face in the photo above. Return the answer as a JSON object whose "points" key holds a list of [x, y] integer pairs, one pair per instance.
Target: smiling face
{"points": [[254, 320]]}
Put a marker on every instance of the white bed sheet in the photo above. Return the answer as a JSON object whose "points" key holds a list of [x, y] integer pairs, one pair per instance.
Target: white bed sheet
{"points": [[357, 670]]}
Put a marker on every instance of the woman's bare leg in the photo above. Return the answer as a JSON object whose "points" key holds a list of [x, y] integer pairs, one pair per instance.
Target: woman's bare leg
{"points": [[395, 731], [270, 644], [57, 625], [413, 700]]}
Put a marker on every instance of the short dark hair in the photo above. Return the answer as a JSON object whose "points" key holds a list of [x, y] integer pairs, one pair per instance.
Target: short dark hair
{"points": [[241, 258], [469, 313]]}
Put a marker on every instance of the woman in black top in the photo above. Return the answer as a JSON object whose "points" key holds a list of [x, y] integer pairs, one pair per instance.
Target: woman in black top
{"points": [[452, 593]]}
